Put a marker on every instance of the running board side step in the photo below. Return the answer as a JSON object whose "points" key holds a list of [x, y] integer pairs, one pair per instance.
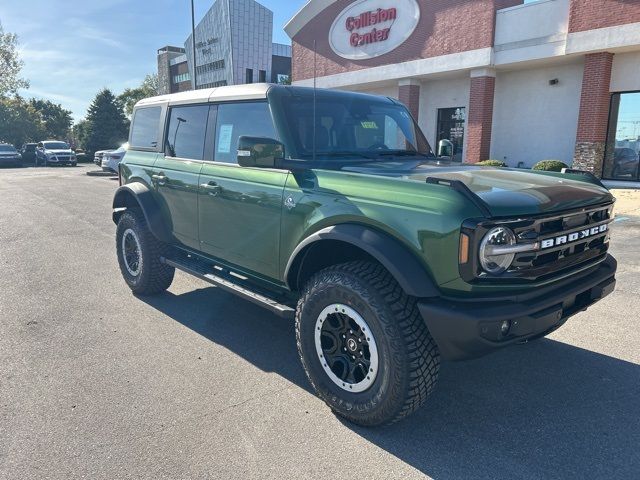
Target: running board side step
{"points": [[200, 270]]}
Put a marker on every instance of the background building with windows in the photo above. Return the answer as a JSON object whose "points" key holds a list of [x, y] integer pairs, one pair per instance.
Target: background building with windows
{"points": [[502, 79], [233, 46]]}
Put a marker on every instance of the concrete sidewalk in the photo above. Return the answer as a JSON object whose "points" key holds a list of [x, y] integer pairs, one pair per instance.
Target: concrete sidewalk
{"points": [[628, 202]]}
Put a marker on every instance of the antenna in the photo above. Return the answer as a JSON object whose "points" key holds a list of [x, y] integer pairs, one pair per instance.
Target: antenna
{"points": [[314, 102]]}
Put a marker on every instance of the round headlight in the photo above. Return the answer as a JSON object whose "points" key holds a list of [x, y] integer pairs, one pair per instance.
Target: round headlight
{"points": [[491, 258]]}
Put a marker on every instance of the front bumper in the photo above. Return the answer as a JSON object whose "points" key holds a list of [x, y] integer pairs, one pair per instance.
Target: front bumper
{"points": [[469, 329]]}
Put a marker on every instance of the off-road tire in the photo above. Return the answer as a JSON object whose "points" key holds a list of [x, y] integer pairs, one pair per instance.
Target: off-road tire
{"points": [[154, 276], [409, 360]]}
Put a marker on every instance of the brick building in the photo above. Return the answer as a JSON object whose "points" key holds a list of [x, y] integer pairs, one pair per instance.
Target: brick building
{"points": [[503, 79]]}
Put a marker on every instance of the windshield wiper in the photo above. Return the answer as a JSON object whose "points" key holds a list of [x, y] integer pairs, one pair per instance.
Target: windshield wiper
{"points": [[402, 153], [320, 155]]}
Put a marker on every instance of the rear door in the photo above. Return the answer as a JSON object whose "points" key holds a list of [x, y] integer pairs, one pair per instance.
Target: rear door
{"points": [[240, 208], [176, 171]]}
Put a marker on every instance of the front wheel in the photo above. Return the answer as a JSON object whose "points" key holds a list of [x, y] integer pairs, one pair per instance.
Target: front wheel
{"points": [[139, 255], [363, 344]]}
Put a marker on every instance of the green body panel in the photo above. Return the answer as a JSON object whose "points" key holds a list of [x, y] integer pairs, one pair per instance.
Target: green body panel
{"points": [[425, 218], [178, 196], [138, 167], [239, 216]]}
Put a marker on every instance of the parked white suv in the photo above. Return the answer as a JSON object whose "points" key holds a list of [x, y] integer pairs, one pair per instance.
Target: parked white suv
{"points": [[112, 158], [54, 152]]}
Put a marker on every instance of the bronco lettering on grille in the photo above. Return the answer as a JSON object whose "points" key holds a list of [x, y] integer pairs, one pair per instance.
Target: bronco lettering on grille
{"points": [[573, 237]]}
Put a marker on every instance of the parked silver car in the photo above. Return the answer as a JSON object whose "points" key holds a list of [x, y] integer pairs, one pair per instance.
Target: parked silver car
{"points": [[54, 152]]}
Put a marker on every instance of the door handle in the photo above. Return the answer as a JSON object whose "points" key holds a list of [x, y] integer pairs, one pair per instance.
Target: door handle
{"points": [[161, 179], [212, 187]]}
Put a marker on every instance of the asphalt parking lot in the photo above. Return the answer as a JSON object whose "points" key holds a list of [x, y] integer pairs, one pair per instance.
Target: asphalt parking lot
{"points": [[195, 383]]}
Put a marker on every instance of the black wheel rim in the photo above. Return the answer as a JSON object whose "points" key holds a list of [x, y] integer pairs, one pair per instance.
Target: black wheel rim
{"points": [[131, 252], [346, 348]]}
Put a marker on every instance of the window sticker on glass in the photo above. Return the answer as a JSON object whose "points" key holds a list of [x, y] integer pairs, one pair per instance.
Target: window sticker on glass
{"points": [[224, 138], [369, 125]]}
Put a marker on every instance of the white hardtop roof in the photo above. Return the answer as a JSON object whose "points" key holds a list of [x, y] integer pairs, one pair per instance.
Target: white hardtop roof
{"points": [[249, 91]]}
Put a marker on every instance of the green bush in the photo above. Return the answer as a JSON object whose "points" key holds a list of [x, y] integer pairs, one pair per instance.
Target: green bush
{"points": [[550, 166], [492, 163]]}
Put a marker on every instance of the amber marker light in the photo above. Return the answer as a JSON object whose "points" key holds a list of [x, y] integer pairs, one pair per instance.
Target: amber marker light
{"points": [[463, 256]]}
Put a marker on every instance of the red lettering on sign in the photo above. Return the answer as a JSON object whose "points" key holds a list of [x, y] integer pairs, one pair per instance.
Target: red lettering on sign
{"points": [[367, 19]]}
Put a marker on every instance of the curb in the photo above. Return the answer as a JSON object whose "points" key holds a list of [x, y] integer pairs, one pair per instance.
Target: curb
{"points": [[100, 173]]}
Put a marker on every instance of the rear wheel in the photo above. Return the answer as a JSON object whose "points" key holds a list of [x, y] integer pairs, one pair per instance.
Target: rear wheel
{"points": [[139, 254], [365, 348]]}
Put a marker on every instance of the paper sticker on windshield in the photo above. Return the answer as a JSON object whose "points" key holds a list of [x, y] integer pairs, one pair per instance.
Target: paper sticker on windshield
{"points": [[369, 125], [224, 139]]}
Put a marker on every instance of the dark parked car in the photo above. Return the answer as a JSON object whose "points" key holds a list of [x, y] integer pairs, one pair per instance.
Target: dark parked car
{"points": [[9, 156], [625, 162], [28, 152]]}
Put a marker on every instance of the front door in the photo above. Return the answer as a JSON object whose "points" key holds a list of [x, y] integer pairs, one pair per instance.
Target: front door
{"points": [[175, 174], [240, 208], [451, 127]]}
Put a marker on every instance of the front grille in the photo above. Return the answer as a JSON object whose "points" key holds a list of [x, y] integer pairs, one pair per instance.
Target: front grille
{"points": [[565, 241]]}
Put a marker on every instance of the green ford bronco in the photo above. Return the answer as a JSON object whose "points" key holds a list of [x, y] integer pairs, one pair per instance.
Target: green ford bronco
{"points": [[329, 207]]}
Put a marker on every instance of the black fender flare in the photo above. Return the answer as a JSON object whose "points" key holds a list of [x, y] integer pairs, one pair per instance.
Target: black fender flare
{"points": [[401, 263], [138, 195]]}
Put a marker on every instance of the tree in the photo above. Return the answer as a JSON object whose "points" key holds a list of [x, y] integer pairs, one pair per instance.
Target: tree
{"points": [[10, 65], [106, 126], [131, 96], [19, 121], [79, 133], [56, 120]]}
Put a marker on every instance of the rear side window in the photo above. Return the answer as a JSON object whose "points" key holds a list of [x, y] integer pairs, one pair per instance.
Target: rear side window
{"points": [[186, 132], [145, 128], [236, 119]]}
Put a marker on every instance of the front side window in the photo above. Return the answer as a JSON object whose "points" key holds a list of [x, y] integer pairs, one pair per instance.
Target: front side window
{"points": [[352, 125], [145, 127], [236, 119], [186, 132], [622, 153]]}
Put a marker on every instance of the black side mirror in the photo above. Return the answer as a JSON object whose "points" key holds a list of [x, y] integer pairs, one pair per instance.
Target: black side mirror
{"points": [[259, 152]]}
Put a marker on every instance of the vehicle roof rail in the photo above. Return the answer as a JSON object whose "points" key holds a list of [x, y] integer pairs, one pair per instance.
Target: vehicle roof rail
{"points": [[461, 187]]}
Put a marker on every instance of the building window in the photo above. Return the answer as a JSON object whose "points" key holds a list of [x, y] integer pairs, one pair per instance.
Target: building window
{"points": [[220, 83], [451, 127], [262, 76], [210, 67], [183, 77], [248, 75], [186, 132], [623, 140]]}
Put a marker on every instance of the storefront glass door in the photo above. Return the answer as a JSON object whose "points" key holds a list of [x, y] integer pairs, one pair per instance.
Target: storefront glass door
{"points": [[623, 142], [451, 127]]}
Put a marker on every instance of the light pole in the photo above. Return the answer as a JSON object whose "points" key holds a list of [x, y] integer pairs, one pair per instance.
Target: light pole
{"points": [[193, 43]]}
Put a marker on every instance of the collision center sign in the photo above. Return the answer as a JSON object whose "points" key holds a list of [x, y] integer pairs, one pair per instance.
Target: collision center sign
{"points": [[370, 28]]}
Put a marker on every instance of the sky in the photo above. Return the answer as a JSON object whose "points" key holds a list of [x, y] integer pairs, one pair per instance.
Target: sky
{"points": [[74, 48]]}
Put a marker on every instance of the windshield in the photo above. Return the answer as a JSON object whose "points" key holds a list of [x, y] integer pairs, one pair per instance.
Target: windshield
{"points": [[7, 148], [56, 146], [352, 126]]}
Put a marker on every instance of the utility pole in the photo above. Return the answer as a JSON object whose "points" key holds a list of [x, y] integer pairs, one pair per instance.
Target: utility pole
{"points": [[193, 43]]}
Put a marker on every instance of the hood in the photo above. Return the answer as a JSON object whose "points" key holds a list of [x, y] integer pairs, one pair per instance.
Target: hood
{"points": [[506, 192], [58, 150]]}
